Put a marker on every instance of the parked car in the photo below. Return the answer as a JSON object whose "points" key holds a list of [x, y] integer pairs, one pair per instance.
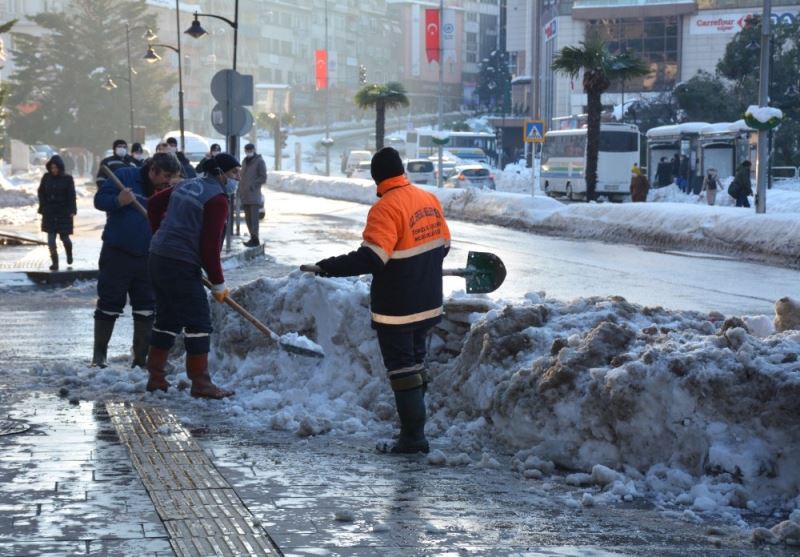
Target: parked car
{"points": [[472, 176], [362, 171], [420, 171], [353, 159], [40, 153]]}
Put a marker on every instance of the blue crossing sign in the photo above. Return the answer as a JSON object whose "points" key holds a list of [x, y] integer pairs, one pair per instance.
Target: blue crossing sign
{"points": [[534, 131]]}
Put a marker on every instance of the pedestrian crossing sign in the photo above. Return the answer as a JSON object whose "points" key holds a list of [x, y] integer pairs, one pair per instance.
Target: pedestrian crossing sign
{"points": [[534, 131]]}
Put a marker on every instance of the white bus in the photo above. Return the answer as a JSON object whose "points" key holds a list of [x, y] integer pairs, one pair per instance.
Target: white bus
{"points": [[564, 161], [471, 146]]}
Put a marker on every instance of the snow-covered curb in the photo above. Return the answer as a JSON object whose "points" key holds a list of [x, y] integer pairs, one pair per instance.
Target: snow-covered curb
{"points": [[771, 237]]}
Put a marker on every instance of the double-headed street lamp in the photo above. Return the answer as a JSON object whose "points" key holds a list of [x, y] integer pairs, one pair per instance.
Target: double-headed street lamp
{"points": [[153, 57], [109, 84], [196, 31]]}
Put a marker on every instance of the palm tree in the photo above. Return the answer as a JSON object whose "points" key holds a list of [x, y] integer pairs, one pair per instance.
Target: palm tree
{"points": [[391, 95], [600, 67]]}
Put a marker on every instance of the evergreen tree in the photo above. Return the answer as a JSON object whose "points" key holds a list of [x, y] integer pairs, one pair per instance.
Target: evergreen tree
{"points": [[56, 94]]}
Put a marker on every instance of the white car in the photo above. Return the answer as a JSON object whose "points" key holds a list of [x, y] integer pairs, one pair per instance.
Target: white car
{"points": [[354, 159], [420, 171], [471, 176], [362, 171]]}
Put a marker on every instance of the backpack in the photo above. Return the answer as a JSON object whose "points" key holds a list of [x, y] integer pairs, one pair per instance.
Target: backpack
{"points": [[733, 189]]}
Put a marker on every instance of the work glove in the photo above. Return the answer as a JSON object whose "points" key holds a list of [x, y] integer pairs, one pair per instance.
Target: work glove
{"points": [[321, 272], [219, 292]]}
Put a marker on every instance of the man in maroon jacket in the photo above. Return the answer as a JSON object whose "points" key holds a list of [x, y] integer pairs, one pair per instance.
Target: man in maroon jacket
{"points": [[188, 223]]}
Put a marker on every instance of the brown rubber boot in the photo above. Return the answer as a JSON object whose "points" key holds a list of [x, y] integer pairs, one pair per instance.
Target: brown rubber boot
{"points": [[202, 387], [156, 364]]}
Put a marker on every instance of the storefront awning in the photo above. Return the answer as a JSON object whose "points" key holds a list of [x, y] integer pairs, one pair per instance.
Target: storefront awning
{"points": [[602, 9]]}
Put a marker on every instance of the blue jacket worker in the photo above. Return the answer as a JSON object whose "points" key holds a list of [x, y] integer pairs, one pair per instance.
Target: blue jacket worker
{"points": [[119, 158], [123, 257], [188, 224]]}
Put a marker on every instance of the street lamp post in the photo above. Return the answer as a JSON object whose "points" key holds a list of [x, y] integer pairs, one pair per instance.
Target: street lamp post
{"points": [[196, 31], [763, 100], [109, 85], [153, 57]]}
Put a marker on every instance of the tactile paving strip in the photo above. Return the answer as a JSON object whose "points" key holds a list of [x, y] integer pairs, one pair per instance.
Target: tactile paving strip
{"points": [[202, 513]]}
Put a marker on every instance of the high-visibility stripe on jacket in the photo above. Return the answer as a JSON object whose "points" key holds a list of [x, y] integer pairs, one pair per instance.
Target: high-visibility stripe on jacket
{"points": [[407, 230]]}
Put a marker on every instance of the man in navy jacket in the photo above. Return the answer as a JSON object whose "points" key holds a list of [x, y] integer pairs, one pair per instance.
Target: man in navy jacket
{"points": [[123, 258]]}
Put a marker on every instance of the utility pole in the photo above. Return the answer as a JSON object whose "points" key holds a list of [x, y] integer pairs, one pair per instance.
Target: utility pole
{"points": [[327, 100], [180, 75], [440, 115], [762, 171]]}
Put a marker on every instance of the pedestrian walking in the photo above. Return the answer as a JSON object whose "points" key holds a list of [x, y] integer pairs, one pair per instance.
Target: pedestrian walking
{"points": [[137, 153], [58, 207], [188, 222], [663, 172], [675, 168], [711, 185], [741, 187], [119, 158], [406, 238], [188, 169], [254, 176], [684, 175], [213, 151], [640, 185], [124, 255]]}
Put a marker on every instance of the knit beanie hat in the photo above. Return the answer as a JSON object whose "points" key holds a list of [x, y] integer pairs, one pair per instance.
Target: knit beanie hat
{"points": [[386, 164], [226, 162]]}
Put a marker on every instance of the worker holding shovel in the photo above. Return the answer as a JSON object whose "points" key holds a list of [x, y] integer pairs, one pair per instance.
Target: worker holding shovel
{"points": [[188, 223], [405, 241]]}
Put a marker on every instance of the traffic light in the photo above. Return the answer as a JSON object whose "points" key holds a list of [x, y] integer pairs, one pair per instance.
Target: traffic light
{"points": [[362, 74]]}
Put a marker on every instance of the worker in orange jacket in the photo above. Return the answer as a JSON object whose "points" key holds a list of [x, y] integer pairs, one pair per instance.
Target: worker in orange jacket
{"points": [[405, 241]]}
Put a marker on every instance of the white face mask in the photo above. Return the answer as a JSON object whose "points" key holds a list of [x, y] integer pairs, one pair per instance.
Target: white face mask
{"points": [[121, 151], [249, 153], [231, 184], [173, 149], [138, 156]]}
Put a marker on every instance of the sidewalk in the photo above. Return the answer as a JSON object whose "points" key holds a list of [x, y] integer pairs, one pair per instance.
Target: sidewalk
{"points": [[24, 265]]}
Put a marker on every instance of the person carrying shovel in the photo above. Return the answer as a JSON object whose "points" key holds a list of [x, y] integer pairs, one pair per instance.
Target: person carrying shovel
{"points": [[406, 239], [188, 224]]}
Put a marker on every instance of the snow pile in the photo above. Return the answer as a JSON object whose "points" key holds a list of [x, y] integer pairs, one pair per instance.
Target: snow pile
{"points": [[514, 178], [764, 114], [679, 407], [677, 225], [15, 196]]}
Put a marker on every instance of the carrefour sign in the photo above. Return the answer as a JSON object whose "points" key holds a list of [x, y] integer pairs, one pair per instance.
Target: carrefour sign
{"points": [[727, 23]]}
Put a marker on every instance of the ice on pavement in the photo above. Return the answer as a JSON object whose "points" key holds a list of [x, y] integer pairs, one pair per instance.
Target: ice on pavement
{"points": [[692, 411]]}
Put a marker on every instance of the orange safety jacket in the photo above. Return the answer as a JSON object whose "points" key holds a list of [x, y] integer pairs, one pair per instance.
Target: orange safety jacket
{"points": [[406, 229]]}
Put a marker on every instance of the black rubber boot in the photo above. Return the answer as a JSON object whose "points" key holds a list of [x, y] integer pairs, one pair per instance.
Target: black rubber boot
{"points": [[68, 250], [102, 334], [141, 341], [411, 409], [53, 259]]}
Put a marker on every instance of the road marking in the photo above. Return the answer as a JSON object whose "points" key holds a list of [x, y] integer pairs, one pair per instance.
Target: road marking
{"points": [[202, 513]]}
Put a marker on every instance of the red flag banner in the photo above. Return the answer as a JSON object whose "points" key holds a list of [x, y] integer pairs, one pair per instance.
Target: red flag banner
{"points": [[432, 35], [321, 60]]}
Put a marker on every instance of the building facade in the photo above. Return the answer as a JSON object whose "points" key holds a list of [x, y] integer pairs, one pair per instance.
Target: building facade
{"points": [[676, 38]]}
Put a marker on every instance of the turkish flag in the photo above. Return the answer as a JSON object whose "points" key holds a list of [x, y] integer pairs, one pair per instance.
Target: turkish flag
{"points": [[432, 35], [321, 59]]}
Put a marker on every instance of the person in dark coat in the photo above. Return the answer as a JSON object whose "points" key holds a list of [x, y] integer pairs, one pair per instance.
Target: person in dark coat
{"points": [[741, 188], [124, 276], [675, 167], [684, 171], [213, 151], [118, 159], [137, 153], [58, 207], [188, 169], [664, 172]]}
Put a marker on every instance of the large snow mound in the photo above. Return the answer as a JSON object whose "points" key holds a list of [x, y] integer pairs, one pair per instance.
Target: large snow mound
{"points": [[682, 407]]}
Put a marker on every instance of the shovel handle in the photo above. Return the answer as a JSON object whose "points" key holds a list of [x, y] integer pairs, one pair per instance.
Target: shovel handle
{"points": [[246, 314], [455, 272], [120, 186], [310, 268]]}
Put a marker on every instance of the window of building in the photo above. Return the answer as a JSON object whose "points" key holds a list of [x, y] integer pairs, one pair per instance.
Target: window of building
{"points": [[654, 39]]}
